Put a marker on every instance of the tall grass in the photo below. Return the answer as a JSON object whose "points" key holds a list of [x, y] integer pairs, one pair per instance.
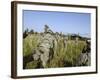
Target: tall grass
{"points": [[65, 55], [30, 43]]}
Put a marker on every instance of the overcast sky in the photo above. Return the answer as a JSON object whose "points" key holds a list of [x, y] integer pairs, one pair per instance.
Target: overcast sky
{"points": [[66, 22]]}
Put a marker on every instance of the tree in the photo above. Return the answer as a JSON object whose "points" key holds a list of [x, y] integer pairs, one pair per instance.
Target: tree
{"points": [[46, 28], [25, 34], [27, 30], [31, 31]]}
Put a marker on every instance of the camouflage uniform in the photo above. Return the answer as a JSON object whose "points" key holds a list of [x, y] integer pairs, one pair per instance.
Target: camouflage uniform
{"points": [[44, 47]]}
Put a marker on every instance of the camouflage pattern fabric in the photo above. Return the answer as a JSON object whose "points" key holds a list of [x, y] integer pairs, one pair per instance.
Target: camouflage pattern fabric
{"points": [[43, 49]]}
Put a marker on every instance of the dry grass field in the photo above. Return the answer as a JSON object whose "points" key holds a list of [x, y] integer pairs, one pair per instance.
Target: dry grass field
{"points": [[65, 55]]}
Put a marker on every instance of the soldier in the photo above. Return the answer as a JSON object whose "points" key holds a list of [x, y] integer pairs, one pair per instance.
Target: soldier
{"points": [[44, 50], [85, 56], [46, 47]]}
